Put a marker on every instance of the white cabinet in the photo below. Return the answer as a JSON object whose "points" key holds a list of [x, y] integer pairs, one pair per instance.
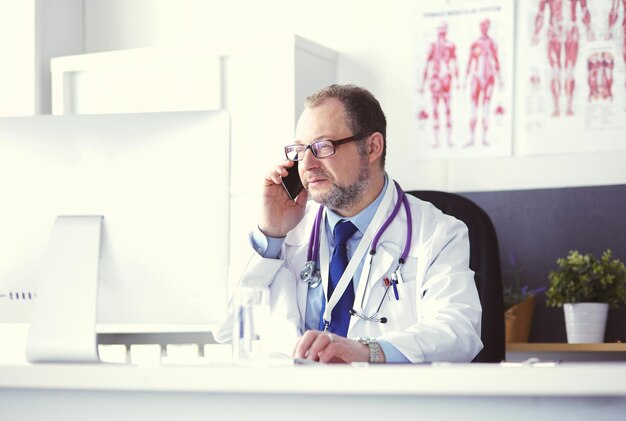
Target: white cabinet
{"points": [[262, 83], [139, 80]]}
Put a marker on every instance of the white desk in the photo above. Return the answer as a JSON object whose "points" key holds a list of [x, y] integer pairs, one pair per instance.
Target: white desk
{"points": [[458, 391]]}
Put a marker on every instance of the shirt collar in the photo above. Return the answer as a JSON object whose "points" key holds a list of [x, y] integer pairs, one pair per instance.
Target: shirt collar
{"points": [[362, 219]]}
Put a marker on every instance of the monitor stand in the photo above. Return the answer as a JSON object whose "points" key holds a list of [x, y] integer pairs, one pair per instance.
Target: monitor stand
{"points": [[63, 322]]}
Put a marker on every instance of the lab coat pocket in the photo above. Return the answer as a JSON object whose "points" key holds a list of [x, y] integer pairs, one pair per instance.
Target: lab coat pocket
{"points": [[402, 302], [375, 291], [371, 288], [408, 270]]}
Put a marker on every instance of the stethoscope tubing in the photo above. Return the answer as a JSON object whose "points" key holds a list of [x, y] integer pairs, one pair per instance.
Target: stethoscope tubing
{"points": [[314, 248], [405, 252], [314, 239]]}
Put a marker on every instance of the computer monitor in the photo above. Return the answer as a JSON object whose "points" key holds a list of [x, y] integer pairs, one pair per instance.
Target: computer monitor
{"points": [[159, 181]]}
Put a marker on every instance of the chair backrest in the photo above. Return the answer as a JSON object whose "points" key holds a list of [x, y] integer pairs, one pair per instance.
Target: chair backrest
{"points": [[484, 261]]}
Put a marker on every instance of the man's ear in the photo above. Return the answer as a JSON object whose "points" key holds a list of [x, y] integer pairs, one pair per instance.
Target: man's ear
{"points": [[376, 147]]}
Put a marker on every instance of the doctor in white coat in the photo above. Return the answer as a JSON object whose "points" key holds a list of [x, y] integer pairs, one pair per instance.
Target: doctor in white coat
{"points": [[426, 309]]}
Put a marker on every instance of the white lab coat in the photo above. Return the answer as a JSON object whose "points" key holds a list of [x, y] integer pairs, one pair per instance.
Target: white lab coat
{"points": [[438, 315]]}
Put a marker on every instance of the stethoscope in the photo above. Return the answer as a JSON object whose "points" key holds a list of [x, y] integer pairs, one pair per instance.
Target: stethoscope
{"points": [[311, 274]]}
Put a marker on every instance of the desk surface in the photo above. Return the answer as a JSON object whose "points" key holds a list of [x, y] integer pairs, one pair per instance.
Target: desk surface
{"points": [[567, 391], [510, 379]]}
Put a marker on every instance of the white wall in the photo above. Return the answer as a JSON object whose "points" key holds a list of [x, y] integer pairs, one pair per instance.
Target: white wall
{"points": [[32, 32], [59, 33], [17, 43], [374, 42]]}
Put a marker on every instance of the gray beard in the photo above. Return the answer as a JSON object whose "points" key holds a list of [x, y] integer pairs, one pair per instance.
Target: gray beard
{"points": [[340, 198]]}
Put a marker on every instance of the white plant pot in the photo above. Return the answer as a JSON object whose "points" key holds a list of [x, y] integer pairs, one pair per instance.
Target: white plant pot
{"points": [[585, 322]]}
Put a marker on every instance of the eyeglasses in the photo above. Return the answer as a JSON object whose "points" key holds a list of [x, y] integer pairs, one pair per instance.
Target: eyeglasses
{"points": [[319, 149]]}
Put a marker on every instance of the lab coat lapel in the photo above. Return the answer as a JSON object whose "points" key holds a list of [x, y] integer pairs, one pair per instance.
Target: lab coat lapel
{"points": [[302, 288], [384, 262], [298, 241], [381, 264]]}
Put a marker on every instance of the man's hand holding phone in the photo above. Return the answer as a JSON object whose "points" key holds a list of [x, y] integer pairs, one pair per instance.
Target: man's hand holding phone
{"points": [[281, 212], [292, 182]]}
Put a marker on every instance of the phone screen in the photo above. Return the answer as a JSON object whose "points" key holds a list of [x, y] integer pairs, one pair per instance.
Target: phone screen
{"points": [[292, 183]]}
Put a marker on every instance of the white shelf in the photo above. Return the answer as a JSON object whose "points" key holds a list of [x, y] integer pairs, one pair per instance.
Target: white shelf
{"points": [[566, 352]]}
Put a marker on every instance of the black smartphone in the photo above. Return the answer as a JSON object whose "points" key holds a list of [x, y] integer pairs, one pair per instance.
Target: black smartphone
{"points": [[292, 182]]}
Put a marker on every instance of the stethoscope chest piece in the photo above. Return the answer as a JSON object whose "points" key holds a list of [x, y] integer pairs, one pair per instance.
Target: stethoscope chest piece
{"points": [[311, 275]]}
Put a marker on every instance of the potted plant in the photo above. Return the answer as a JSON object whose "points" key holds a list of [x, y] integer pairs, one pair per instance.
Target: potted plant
{"points": [[586, 287], [519, 305]]}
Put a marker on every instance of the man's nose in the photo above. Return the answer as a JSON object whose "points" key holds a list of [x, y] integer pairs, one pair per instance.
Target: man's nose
{"points": [[309, 161]]}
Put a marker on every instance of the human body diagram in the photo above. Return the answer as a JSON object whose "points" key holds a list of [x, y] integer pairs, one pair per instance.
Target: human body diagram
{"points": [[483, 69], [613, 16], [441, 73], [441, 67], [570, 95], [600, 76], [562, 45]]}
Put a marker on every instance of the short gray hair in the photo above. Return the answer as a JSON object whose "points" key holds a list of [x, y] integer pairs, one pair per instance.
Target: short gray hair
{"points": [[362, 109]]}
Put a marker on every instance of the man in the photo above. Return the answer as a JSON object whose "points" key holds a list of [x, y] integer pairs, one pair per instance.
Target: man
{"points": [[563, 36], [440, 67], [484, 67], [433, 313]]}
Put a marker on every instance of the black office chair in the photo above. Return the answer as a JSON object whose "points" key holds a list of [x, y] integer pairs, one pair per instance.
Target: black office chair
{"points": [[484, 261]]}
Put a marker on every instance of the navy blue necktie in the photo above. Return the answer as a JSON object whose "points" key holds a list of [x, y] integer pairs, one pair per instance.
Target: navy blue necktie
{"points": [[340, 320]]}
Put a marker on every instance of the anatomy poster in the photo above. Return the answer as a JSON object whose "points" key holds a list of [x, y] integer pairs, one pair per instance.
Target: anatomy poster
{"points": [[463, 79], [571, 81]]}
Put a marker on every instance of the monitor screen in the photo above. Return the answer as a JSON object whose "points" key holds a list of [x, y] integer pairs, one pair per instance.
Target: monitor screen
{"points": [[160, 181]]}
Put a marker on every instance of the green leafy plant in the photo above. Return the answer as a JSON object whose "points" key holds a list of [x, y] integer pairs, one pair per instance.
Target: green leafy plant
{"points": [[583, 278], [515, 291]]}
